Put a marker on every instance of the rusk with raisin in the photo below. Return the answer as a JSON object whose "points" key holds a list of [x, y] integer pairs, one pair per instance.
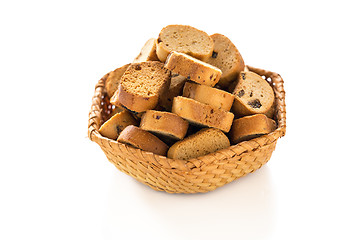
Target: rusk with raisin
{"points": [[185, 39], [118, 122], [202, 114], [193, 69], [253, 95], [165, 124], [226, 57]]}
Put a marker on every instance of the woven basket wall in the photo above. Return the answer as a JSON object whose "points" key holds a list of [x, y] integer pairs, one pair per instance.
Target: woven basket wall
{"points": [[200, 174]]}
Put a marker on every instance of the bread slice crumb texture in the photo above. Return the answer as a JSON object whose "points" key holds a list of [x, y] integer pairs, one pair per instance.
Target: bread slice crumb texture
{"points": [[185, 39], [226, 57], [253, 95], [145, 78]]}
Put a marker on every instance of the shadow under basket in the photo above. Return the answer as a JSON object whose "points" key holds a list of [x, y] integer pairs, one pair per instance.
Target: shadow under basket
{"points": [[201, 174]]}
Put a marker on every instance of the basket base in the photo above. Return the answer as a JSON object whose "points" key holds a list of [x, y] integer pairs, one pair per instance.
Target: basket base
{"points": [[203, 179]]}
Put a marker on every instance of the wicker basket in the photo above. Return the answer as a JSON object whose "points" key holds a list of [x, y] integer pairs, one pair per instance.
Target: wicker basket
{"points": [[200, 174]]}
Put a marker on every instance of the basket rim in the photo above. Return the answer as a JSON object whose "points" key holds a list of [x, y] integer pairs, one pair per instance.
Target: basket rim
{"points": [[275, 81]]}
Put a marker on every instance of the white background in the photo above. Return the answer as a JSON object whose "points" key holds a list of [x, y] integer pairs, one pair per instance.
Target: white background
{"points": [[57, 184]]}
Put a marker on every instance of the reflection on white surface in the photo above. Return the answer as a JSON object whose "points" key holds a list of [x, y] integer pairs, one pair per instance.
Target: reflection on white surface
{"points": [[241, 209]]}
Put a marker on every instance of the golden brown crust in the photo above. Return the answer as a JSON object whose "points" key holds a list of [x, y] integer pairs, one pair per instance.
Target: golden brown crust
{"points": [[148, 52], [253, 95], [202, 114], [214, 97], [203, 142], [185, 39], [226, 57], [249, 127], [142, 139], [113, 80], [165, 124], [112, 127], [193, 69]]}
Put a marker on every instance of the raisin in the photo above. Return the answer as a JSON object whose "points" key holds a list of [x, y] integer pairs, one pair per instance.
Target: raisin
{"points": [[214, 54], [137, 67], [243, 76], [241, 93], [158, 117], [118, 129], [255, 103]]}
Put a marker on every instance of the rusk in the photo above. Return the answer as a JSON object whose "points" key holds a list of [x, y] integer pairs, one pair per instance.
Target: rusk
{"points": [[226, 57], [205, 141], [141, 85], [202, 114], [164, 124], [253, 95], [185, 39], [193, 69], [148, 52], [214, 97], [113, 127], [175, 89], [249, 127], [142, 139], [113, 80]]}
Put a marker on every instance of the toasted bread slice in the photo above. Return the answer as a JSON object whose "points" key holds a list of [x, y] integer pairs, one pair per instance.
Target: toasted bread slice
{"points": [[185, 39], [141, 85], [113, 127], [192, 68], [165, 124], [142, 139], [253, 95], [249, 127], [148, 52], [202, 114], [113, 80], [205, 141], [214, 97], [175, 89], [226, 57]]}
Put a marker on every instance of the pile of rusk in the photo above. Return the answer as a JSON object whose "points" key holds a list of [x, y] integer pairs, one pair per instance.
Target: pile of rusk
{"points": [[189, 91]]}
